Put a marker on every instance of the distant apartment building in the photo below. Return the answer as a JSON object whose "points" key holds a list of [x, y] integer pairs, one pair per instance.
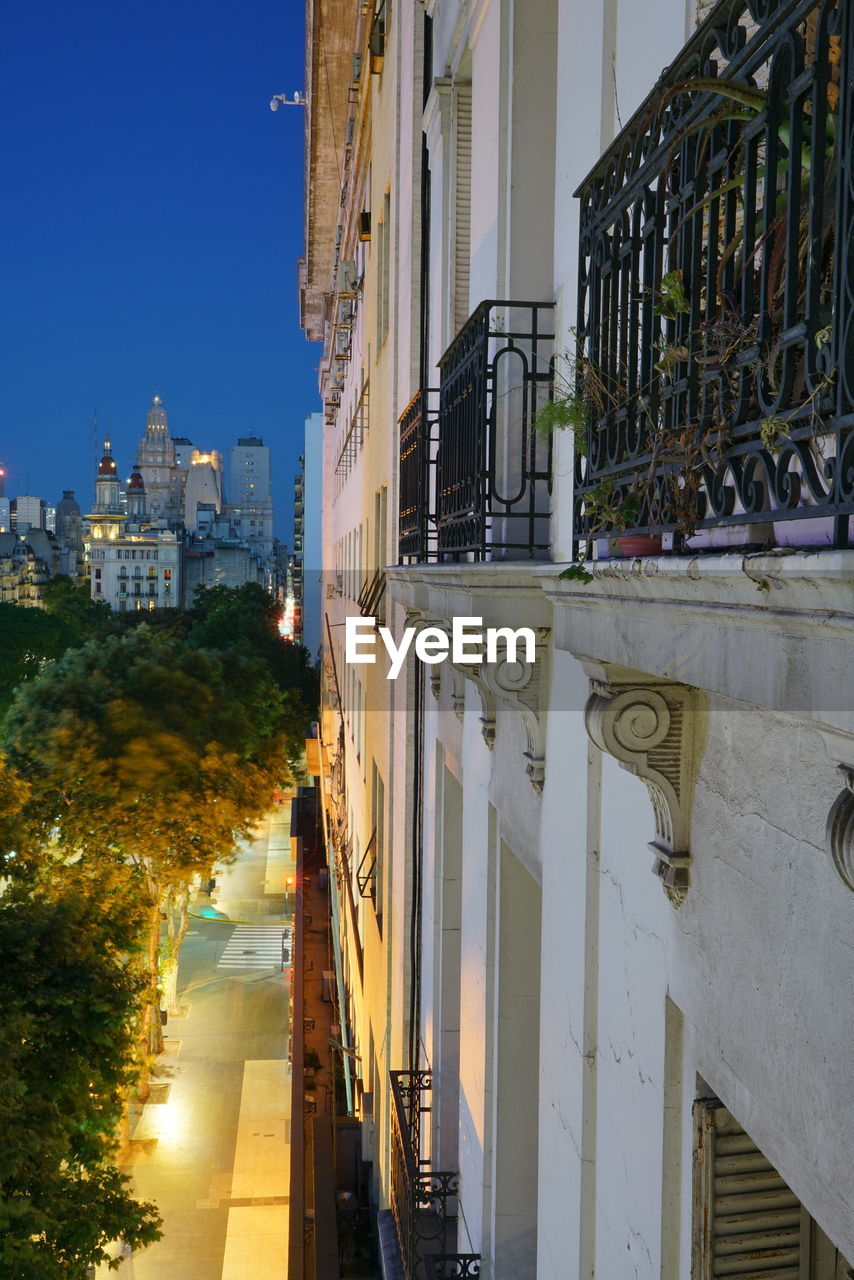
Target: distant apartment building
{"points": [[28, 512], [311, 548], [251, 494], [297, 567]]}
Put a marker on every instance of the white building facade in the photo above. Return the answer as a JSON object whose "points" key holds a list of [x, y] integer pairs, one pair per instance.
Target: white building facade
{"points": [[594, 909]]}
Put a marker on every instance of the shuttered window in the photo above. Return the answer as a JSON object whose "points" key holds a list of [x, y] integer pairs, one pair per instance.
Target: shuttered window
{"points": [[461, 248], [748, 1223]]}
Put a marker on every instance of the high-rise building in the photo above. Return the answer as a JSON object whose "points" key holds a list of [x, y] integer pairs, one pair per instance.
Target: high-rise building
{"points": [[203, 486], [161, 473], [250, 472], [251, 495], [29, 512]]}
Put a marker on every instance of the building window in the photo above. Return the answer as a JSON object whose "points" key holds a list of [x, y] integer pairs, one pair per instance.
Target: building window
{"points": [[746, 1218]]}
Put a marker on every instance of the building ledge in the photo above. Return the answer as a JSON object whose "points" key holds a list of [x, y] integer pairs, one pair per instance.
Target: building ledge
{"points": [[770, 629], [390, 1261]]}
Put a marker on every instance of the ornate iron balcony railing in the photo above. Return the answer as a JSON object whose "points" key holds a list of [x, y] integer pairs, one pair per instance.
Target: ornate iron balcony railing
{"points": [[416, 518], [423, 1200], [715, 366], [455, 1266], [493, 469]]}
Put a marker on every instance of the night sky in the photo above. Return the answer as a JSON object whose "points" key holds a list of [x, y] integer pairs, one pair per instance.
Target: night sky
{"points": [[151, 218]]}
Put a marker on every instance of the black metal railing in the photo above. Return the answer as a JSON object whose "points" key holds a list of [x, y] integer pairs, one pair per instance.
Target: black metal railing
{"points": [[715, 367], [423, 1199], [416, 530], [494, 469], [455, 1266]]}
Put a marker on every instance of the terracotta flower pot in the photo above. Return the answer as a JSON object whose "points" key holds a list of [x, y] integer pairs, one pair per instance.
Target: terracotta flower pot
{"points": [[639, 544]]}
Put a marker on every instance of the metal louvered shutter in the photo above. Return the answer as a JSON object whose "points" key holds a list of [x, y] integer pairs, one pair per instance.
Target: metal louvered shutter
{"points": [[461, 259], [748, 1223]]}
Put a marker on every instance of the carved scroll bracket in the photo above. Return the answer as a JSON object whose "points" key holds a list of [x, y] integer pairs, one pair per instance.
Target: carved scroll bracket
{"points": [[519, 684], [839, 832], [649, 729]]}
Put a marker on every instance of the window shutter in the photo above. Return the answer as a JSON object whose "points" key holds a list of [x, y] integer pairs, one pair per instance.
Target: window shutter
{"points": [[462, 205], [747, 1223]]}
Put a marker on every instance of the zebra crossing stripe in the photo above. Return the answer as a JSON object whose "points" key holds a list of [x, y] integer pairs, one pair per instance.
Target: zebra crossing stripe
{"points": [[256, 947]]}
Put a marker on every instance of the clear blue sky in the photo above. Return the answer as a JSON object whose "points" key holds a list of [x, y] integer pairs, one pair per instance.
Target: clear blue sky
{"points": [[150, 222]]}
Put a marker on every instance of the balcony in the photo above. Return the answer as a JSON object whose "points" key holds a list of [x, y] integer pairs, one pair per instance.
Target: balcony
{"points": [[423, 1200], [475, 476], [416, 522], [713, 383]]}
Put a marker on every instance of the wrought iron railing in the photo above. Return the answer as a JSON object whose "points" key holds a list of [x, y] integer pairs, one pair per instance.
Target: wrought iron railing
{"points": [[423, 1199], [715, 367], [455, 1266], [494, 469], [416, 518]]}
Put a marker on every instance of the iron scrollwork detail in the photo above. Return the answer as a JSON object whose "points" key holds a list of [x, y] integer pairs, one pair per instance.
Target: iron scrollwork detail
{"points": [[716, 286], [423, 1199], [455, 1266]]}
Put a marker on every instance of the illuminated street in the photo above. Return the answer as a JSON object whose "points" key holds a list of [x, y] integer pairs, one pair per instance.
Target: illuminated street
{"points": [[214, 1153]]}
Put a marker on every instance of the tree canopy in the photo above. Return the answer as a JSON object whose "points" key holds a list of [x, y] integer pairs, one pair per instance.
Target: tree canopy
{"points": [[141, 749], [69, 998]]}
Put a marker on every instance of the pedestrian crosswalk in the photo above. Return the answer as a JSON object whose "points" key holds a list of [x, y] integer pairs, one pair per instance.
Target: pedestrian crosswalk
{"points": [[258, 946]]}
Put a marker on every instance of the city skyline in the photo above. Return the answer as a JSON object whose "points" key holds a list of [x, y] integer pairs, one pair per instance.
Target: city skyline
{"points": [[154, 238]]}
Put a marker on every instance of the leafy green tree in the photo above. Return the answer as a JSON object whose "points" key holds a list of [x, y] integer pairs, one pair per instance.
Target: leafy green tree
{"points": [[73, 603], [28, 639], [151, 756], [246, 619], [68, 996]]}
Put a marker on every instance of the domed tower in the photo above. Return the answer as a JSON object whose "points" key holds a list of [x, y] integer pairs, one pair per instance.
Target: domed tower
{"points": [[136, 496], [162, 477], [69, 524], [106, 517]]}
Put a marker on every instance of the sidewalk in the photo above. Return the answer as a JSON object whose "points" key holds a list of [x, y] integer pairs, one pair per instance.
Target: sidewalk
{"points": [[212, 1147]]}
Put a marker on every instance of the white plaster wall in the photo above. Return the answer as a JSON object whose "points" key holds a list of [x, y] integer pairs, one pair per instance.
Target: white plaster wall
{"points": [[635, 923], [564, 936], [489, 143], [758, 960], [475, 995], [763, 963]]}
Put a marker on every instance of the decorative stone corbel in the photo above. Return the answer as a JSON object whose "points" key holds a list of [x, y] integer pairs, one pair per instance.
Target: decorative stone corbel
{"points": [[458, 696], [648, 728], [840, 828], [839, 832], [520, 685]]}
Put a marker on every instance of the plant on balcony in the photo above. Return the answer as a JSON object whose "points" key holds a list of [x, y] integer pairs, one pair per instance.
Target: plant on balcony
{"points": [[708, 270]]}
